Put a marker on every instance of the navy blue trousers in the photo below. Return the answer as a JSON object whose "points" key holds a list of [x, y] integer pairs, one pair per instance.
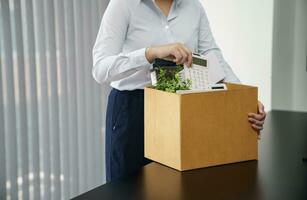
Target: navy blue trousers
{"points": [[124, 133]]}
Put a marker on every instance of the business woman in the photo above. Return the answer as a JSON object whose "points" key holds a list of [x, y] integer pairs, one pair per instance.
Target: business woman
{"points": [[132, 34]]}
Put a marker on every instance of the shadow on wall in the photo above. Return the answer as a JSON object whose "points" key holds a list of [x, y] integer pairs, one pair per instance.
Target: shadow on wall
{"points": [[289, 73]]}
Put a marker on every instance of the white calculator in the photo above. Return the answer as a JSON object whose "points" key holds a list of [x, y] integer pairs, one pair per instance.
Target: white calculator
{"points": [[198, 73]]}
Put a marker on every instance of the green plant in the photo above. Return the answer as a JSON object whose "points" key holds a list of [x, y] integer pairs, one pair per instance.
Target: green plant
{"points": [[170, 81]]}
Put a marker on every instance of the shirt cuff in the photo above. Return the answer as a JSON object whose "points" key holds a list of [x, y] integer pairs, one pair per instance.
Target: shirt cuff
{"points": [[139, 59]]}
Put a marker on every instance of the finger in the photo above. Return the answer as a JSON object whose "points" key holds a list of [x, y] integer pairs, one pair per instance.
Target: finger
{"points": [[257, 128], [177, 56], [259, 117], [256, 122], [184, 55], [258, 132], [256, 116], [261, 108], [190, 59], [176, 53], [259, 135]]}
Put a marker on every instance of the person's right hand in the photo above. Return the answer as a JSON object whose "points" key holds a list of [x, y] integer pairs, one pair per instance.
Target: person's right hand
{"points": [[178, 52]]}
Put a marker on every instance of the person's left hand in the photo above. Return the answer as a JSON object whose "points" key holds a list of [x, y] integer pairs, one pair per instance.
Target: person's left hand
{"points": [[257, 120]]}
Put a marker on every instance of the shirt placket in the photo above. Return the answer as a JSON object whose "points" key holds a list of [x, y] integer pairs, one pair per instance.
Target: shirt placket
{"points": [[166, 21], [168, 32]]}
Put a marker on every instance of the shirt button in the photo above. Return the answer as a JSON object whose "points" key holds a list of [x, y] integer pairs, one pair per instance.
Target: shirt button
{"points": [[166, 27]]}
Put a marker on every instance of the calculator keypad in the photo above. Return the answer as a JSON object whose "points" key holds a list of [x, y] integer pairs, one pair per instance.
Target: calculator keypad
{"points": [[198, 76]]}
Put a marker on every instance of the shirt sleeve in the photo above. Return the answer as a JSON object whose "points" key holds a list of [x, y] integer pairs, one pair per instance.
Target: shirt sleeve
{"points": [[207, 43], [109, 64]]}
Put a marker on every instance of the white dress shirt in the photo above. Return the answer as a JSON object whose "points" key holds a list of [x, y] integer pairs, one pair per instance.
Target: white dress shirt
{"points": [[129, 26]]}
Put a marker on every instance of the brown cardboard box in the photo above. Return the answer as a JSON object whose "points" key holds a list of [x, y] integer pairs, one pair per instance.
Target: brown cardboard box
{"points": [[191, 131]]}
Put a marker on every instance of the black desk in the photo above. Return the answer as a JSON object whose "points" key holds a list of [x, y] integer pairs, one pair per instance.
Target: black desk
{"points": [[279, 174]]}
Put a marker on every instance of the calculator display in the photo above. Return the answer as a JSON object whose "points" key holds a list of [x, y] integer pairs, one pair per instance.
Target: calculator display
{"points": [[199, 61]]}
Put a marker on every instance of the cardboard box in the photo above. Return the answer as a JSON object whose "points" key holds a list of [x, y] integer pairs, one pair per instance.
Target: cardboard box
{"points": [[191, 131]]}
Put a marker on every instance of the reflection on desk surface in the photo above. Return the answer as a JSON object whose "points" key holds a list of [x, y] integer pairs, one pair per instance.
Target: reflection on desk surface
{"points": [[279, 173]]}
